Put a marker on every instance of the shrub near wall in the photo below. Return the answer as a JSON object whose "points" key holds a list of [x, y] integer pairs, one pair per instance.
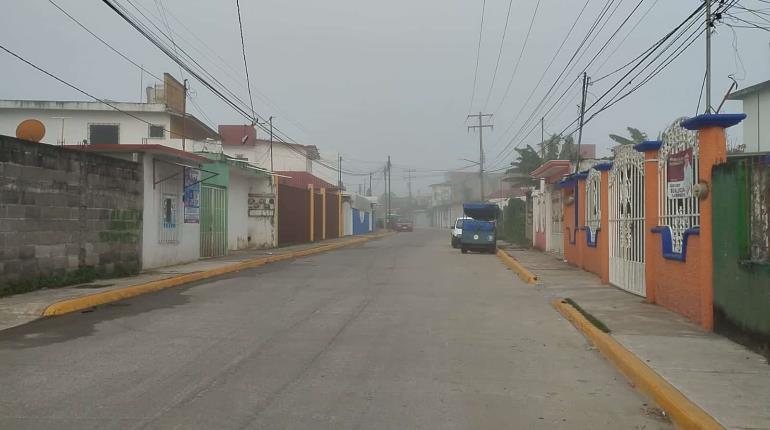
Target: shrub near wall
{"points": [[66, 216]]}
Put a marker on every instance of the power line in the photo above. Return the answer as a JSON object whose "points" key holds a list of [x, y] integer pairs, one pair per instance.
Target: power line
{"points": [[104, 42], [499, 54], [245, 63], [74, 87], [648, 52], [478, 55], [518, 60], [125, 57], [542, 75], [566, 69]]}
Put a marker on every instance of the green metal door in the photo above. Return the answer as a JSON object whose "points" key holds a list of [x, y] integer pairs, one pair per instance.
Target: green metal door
{"points": [[213, 221]]}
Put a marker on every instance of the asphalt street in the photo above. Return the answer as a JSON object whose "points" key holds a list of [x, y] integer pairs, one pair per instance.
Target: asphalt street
{"points": [[399, 333]]}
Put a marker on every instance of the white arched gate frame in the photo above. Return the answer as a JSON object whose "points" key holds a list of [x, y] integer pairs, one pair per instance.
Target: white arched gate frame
{"points": [[626, 220]]}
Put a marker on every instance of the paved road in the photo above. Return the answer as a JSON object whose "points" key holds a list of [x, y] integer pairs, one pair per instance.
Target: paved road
{"points": [[400, 333]]}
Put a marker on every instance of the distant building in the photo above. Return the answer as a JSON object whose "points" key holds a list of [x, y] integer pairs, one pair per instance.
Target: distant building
{"points": [[162, 120], [756, 126], [241, 141]]}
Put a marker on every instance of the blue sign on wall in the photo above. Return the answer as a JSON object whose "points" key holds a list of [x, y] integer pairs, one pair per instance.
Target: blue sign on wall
{"points": [[192, 195]]}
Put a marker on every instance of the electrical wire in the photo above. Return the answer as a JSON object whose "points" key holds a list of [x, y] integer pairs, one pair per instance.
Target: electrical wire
{"points": [[689, 21], [499, 54], [542, 75], [245, 63], [478, 55], [558, 80], [518, 60], [78, 89]]}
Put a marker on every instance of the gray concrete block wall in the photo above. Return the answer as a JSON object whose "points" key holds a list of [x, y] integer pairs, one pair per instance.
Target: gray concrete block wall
{"points": [[64, 209]]}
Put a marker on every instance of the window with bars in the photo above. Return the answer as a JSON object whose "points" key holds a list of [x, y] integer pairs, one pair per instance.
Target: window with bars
{"points": [[169, 213], [593, 203], [678, 171]]}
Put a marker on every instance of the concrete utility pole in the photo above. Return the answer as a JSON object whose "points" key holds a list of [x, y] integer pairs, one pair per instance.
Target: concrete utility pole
{"points": [[271, 143], [389, 192], [542, 138], [339, 168], [184, 115], [369, 193], [481, 128], [708, 56], [584, 93], [408, 174]]}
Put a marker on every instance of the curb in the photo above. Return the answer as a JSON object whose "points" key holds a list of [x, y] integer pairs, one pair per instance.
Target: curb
{"points": [[683, 412], [517, 267], [89, 301]]}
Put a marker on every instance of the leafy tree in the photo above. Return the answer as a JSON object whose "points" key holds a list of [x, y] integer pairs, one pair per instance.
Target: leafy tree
{"points": [[554, 147], [635, 136]]}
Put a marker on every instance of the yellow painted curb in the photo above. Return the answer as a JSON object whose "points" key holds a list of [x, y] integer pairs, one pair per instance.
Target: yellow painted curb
{"points": [[89, 301], [685, 414], [517, 267]]}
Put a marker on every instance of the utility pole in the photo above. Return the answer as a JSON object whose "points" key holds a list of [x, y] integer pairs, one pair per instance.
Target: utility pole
{"points": [[271, 143], [389, 190], [385, 181], [481, 128], [542, 138], [582, 117], [408, 174], [184, 115], [708, 56], [369, 193], [339, 168]]}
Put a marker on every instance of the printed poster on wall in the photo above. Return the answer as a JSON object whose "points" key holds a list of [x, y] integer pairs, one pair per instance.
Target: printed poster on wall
{"points": [[679, 175], [192, 195]]}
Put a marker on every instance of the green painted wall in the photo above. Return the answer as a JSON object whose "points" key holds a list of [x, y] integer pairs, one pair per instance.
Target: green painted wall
{"points": [[741, 288], [222, 179]]}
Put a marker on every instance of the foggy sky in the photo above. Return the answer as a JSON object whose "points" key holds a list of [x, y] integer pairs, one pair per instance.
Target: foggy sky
{"points": [[367, 79]]}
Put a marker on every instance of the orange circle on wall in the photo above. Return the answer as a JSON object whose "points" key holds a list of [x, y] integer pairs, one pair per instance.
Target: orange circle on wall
{"points": [[30, 129]]}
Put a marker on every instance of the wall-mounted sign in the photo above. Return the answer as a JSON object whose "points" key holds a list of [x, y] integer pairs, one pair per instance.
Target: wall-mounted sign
{"points": [[679, 174], [261, 205], [192, 195]]}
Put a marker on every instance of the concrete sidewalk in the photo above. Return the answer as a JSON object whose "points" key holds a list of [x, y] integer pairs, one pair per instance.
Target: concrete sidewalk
{"points": [[726, 380], [22, 308]]}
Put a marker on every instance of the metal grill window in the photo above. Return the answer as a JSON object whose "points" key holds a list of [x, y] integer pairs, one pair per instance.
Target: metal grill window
{"points": [[169, 210], [679, 213], [760, 209], [593, 202]]}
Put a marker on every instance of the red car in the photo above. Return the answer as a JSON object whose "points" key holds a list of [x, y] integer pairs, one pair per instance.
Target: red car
{"points": [[403, 224]]}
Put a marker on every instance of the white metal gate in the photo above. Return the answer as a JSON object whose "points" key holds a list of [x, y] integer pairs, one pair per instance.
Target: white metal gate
{"points": [[557, 223], [626, 220]]}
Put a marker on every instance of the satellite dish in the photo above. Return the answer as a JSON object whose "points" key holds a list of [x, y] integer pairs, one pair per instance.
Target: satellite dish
{"points": [[30, 129]]}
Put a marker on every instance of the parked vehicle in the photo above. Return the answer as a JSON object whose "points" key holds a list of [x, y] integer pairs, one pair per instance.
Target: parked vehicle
{"points": [[457, 231], [479, 233], [403, 224]]}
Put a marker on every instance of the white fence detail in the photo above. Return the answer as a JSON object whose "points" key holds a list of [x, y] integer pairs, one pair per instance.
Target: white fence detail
{"points": [[593, 202], [677, 173]]}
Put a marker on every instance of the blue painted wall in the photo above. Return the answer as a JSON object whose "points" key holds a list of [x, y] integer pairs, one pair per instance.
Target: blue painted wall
{"points": [[361, 223]]}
